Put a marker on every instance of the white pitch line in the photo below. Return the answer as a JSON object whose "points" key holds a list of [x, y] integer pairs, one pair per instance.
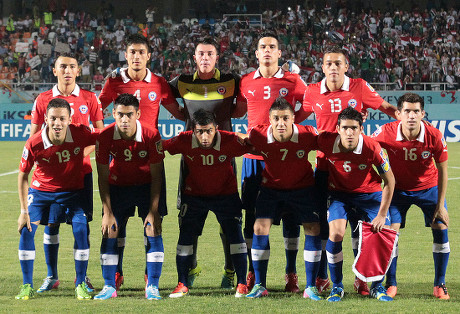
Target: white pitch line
{"points": [[454, 167], [454, 178], [8, 173]]}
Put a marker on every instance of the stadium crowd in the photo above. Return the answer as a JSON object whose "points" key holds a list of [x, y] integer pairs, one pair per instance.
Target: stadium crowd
{"points": [[399, 47]]}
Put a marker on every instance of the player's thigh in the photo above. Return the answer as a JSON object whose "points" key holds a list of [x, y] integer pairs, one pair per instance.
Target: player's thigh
{"points": [[39, 203], [192, 214]]}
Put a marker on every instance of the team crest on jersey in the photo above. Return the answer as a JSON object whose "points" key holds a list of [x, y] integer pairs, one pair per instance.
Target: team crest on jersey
{"points": [[152, 96], [352, 103], [283, 92], [25, 153], [362, 166], [142, 153], [370, 87], [76, 151], [300, 153], [222, 158], [221, 90], [426, 154], [83, 109]]}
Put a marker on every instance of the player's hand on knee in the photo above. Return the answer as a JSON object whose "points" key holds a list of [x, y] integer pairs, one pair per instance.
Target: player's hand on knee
{"points": [[24, 221], [108, 225], [442, 215]]}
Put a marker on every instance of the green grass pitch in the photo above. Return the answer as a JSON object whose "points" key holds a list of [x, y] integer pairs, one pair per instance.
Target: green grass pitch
{"points": [[415, 272]]}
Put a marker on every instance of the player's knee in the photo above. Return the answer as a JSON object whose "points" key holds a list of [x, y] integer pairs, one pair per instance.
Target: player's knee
{"points": [[312, 229], [438, 226], [54, 225], [262, 226]]}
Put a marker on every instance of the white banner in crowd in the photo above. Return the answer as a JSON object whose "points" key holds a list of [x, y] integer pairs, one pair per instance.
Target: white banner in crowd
{"points": [[34, 62], [22, 47], [44, 49]]}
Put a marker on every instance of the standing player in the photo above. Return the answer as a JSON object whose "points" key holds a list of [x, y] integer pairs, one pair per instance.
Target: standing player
{"points": [[326, 99], [151, 90], [412, 145], [258, 91], [210, 184], [216, 92], [56, 190], [129, 164], [354, 185], [84, 108], [287, 188]]}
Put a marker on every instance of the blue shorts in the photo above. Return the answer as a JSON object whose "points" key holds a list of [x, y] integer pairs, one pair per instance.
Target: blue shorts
{"points": [[194, 210], [274, 204], [425, 199], [125, 199], [251, 177], [56, 207], [355, 206]]}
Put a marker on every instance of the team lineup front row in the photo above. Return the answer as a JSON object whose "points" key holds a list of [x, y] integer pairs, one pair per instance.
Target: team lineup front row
{"points": [[129, 157]]}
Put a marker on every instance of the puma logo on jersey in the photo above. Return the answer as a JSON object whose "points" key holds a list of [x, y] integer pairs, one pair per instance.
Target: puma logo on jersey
{"points": [[265, 154], [320, 106], [251, 92], [190, 157], [113, 154], [394, 151], [47, 160]]}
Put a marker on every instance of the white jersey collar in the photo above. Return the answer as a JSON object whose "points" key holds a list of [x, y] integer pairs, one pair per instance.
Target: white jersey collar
{"points": [[137, 137], [294, 137], [358, 150], [46, 141], [420, 138], [345, 85], [75, 92]]}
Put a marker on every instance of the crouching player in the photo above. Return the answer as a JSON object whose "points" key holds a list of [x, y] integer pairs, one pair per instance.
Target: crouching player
{"points": [[287, 188], [210, 185], [56, 191], [129, 164], [412, 145], [353, 183]]}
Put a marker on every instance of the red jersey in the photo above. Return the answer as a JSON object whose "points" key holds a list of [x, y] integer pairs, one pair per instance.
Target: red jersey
{"points": [[286, 163], [352, 172], [260, 93], [210, 171], [59, 167], [151, 92], [412, 161], [327, 105], [129, 160], [84, 107]]}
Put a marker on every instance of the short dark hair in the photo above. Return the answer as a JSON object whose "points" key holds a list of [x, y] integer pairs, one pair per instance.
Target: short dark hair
{"points": [[208, 41], [58, 103], [350, 113], [281, 103], [202, 117], [268, 34], [137, 39], [126, 100], [66, 55], [411, 98], [335, 49]]}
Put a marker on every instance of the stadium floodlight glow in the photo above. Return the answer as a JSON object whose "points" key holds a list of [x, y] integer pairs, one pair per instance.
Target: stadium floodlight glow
{"points": [[327, 33], [339, 20]]}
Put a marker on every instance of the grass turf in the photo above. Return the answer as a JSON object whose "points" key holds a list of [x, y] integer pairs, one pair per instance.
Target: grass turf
{"points": [[415, 264]]}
